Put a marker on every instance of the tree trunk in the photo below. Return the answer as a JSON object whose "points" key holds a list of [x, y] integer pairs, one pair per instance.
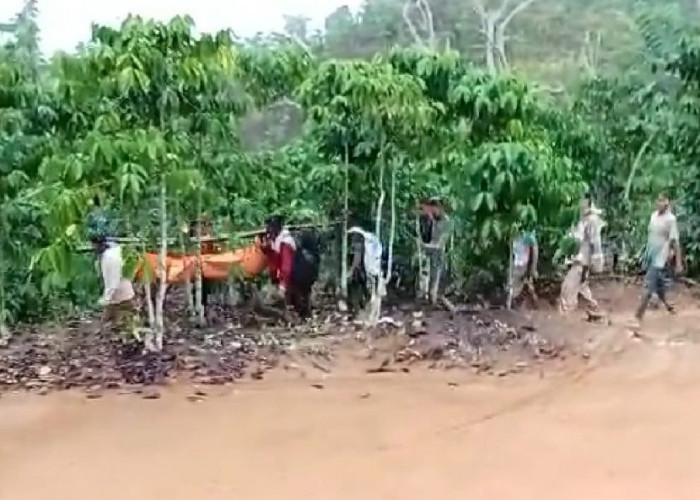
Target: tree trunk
{"points": [[392, 227], [493, 26], [500, 47], [199, 307], [380, 201], [426, 15], [160, 299], [344, 237], [146, 282], [4, 333], [637, 162], [376, 301], [490, 33], [188, 282], [511, 270], [420, 287]]}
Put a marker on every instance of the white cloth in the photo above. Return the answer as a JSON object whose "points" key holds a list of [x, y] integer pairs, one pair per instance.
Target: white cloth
{"points": [[284, 237], [373, 251], [116, 288]]}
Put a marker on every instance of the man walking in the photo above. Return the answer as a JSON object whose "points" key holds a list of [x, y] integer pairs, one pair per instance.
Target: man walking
{"points": [[117, 299], [662, 247], [438, 226], [589, 257]]}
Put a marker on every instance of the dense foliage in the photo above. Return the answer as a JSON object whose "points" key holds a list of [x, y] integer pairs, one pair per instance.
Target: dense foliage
{"points": [[161, 126]]}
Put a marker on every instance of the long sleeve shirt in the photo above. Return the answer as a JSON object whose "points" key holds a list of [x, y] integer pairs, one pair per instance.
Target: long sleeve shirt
{"points": [[116, 288]]}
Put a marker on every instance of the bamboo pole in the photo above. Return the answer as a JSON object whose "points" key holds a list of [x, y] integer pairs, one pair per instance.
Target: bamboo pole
{"points": [[223, 237]]}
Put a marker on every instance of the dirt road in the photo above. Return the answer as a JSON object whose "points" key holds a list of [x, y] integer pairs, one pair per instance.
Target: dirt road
{"points": [[625, 430]]}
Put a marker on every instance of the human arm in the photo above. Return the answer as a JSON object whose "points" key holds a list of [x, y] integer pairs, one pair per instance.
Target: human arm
{"points": [[674, 242]]}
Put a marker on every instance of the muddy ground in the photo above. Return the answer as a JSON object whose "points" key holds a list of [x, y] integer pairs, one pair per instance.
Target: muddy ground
{"points": [[496, 405]]}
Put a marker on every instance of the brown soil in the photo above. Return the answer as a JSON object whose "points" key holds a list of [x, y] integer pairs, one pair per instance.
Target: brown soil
{"points": [[617, 419]]}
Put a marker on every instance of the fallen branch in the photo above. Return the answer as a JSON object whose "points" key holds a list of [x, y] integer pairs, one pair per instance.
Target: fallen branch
{"points": [[383, 368], [448, 304], [688, 282], [319, 366]]}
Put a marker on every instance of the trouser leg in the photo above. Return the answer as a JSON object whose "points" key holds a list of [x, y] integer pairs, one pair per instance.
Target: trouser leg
{"points": [[652, 283], [436, 262], [119, 317], [662, 286], [568, 296], [519, 279], [585, 292], [424, 276]]}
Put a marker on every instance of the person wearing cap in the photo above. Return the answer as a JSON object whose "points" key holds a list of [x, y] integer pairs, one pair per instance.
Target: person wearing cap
{"points": [[118, 294], [663, 252], [589, 258], [436, 227]]}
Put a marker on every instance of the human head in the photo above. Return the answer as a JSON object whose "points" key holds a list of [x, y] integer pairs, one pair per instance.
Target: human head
{"points": [[432, 207], [662, 202], [425, 208], [99, 244], [273, 226], [586, 203]]}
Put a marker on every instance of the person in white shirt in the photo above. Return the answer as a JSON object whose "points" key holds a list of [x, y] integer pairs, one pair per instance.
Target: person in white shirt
{"points": [[118, 294], [663, 253]]}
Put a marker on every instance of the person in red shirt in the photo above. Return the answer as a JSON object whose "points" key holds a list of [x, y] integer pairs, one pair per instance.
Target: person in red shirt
{"points": [[281, 250], [293, 264]]}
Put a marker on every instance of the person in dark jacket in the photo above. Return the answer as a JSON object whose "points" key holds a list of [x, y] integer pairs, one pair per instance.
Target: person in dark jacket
{"points": [[292, 265]]}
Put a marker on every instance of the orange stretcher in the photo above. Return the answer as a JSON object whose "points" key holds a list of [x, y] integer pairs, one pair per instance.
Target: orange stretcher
{"points": [[245, 262]]}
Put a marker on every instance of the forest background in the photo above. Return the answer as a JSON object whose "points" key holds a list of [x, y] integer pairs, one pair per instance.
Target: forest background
{"points": [[508, 109]]}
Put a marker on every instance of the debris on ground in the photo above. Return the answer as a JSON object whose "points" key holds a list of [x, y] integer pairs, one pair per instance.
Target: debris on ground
{"points": [[84, 357], [80, 355]]}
